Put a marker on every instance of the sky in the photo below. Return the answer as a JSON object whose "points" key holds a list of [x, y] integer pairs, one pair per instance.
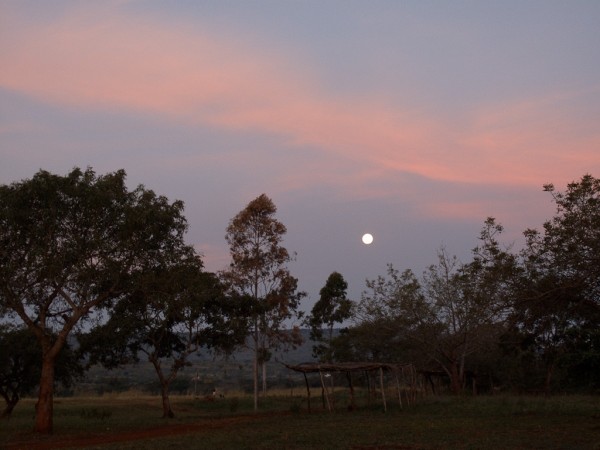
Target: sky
{"points": [[411, 120]]}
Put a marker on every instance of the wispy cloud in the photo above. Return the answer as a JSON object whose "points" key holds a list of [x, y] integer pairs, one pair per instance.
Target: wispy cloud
{"points": [[101, 57], [541, 138]]}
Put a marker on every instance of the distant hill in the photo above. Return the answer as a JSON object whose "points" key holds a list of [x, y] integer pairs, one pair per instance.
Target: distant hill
{"points": [[206, 372]]}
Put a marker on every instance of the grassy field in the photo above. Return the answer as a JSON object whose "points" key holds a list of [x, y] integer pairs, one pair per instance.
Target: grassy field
{"points": [[133, 422]]}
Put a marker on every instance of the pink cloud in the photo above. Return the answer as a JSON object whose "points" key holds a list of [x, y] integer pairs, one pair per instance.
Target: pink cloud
{"points": [[98, 58], [537, 139]]}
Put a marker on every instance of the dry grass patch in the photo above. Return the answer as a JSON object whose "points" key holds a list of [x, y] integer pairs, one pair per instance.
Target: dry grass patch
{"points": [[133, 422]]}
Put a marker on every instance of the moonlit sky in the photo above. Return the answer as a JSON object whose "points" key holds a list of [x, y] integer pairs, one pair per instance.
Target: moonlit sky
{"points": [[410, 120]]}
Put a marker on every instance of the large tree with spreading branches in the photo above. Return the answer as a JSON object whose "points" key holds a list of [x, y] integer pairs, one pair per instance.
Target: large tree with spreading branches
{"points": [[70, 245]]}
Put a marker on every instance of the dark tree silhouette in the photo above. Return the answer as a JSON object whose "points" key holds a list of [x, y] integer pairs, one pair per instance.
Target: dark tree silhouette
{"points": [[332, 308], [72, 244], [259, 275]]}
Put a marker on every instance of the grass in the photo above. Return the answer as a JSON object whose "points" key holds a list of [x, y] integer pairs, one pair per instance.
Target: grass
{"points": [[504, 422]]}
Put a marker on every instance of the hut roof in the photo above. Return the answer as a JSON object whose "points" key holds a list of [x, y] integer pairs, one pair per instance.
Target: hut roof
{"points": [[344, 367]]}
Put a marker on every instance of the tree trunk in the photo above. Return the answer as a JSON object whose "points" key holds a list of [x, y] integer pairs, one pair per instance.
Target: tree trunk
{"points": [[456, 383], [166, 402], [264, 378], [164, 381], [461, 373], [11, 402], [8, 410], [548, 381], [352, 405], [45, 404], [255, 377], [307, 390]]}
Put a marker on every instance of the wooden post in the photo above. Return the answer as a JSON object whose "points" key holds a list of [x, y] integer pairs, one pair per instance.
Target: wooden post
{"points": [[382, 389], [352, 405], [307, 389], [325, 391], [368, 387], [409, 382], [332, 383], [398, 387]]}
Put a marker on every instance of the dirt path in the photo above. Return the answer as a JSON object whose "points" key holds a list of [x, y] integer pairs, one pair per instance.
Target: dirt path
{"points": [[78, 441]]}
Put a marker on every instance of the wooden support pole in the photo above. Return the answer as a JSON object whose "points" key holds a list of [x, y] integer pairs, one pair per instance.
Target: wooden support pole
{"points": [[408, 379], [382, 388], [368, 387], [352, 404], [325, 391], [398, 387], [307, 389]]}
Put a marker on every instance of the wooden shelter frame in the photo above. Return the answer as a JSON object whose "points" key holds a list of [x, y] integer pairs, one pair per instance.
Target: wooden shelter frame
{"points": [[407, 371]]}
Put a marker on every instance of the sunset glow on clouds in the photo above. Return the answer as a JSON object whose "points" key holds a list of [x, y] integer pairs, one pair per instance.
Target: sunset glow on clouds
{"points": [[271, 107], [115, 61]]}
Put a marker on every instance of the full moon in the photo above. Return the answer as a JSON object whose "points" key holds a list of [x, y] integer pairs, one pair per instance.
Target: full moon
{"points": [[367, 238]]}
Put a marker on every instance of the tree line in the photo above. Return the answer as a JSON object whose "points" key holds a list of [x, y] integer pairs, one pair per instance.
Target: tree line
{"points": [[82, 256], [526, 320]]}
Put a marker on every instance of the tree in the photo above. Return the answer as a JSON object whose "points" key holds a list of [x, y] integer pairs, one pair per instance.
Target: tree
{"points": [[451, 314], [385, 319], [174, 310], [468, 305], [72, 244], [557, 304], [20, 358], [331, 308], [258, 275]]}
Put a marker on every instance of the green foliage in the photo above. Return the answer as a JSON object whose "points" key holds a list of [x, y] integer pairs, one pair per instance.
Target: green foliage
{"points": [[332, 308], [523, 321], [381, 327], [72, 244], [258, 271], [20, 366], [174, 309], [557, 300], [258, 276]]}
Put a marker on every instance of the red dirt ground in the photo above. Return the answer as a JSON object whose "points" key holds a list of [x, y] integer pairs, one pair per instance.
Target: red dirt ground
{"points": [[77, 441]]}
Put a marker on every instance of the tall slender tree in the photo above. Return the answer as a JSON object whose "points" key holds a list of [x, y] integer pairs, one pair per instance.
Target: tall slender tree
{"points": [[72, 244], [333, 307], [258, 274]]}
